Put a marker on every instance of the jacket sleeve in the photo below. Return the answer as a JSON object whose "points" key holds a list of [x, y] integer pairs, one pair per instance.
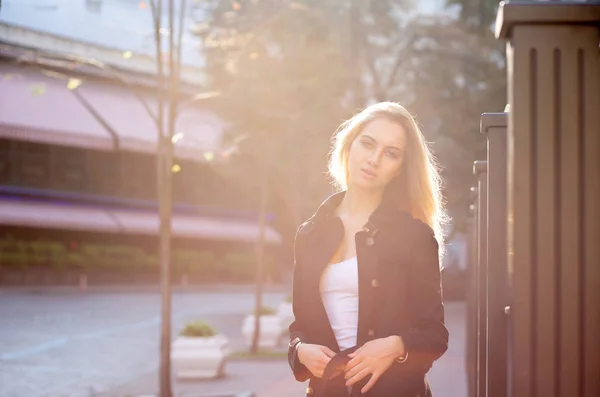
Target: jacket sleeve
{"points": [[427, 338], [301, 373]]}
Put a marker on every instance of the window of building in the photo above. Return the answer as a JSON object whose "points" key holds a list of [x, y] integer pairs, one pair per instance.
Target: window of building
{"points": [[138, 175], [103, 173], [32, 164], [69, 169], [5, 162]]}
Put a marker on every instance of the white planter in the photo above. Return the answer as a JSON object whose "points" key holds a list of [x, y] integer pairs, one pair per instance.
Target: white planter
{"points": [[286, 314], [270, 331], [224, 343], [199, 358]]}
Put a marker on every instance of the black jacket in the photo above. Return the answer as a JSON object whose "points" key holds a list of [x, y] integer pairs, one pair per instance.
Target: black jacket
{"points": [[399, 294]]}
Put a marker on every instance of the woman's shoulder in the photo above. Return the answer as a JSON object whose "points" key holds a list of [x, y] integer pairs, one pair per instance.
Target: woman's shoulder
{"points": [[414, 229], [305, 227]]}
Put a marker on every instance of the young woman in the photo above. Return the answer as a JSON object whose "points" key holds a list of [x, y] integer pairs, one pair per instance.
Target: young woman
{"points": [[369, 318]]}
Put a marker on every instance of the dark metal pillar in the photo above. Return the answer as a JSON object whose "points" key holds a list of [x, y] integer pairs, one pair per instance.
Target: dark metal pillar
{"points": [[493, 125], [471, 299], [480, 170], [554, 195]]}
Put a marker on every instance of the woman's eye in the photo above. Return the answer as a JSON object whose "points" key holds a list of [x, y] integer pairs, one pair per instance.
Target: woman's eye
{"points": [[392, 154], [367, 144]]}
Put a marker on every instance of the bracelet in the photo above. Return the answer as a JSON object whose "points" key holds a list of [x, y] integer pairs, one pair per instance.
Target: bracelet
{"points": [[402, 359]]}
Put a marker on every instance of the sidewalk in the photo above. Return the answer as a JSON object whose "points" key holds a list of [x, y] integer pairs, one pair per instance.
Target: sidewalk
{"points": [[263, 377], [272, 377], [107, 345]]}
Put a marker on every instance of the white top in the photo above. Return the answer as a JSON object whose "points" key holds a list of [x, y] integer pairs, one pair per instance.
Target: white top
{"points": [[339, 291]]}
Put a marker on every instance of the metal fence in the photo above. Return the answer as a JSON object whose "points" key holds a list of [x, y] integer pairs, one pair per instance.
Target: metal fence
{"points": [[534, 300]]}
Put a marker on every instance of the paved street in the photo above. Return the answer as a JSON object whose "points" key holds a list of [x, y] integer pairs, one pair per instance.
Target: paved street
{"points": [[72, 344]]}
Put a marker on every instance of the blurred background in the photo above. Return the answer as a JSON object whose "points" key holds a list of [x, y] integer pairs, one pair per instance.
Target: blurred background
{"points": [[240, 98]]}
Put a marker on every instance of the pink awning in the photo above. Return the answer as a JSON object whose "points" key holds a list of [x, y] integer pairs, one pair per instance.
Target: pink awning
{"points": [[41, 108], [98, 219], [54, 216]]}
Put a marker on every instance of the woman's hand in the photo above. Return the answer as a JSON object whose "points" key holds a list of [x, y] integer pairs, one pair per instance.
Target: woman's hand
{"points": [[315, 357], [374, 357]]}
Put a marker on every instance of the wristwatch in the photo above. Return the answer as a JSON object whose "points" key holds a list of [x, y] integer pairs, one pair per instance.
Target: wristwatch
{"points": [[294, 343]]}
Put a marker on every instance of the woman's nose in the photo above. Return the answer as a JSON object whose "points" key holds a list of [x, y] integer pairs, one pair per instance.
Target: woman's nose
{"points": [[374, 159]]}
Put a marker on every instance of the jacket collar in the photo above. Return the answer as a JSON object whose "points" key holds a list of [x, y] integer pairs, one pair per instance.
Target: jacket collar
{"points": [[383, 214]]}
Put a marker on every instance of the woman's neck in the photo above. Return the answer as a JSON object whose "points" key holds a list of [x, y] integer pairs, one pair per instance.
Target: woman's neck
{"points": [[359, 204]]}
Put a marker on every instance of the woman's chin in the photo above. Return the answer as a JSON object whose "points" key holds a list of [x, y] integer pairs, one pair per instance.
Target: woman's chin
{"points": [[366, 184]]}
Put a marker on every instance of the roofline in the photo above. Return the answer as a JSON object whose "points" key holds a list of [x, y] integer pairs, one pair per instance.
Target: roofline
{"points": [[9, 51], [138, 64]]}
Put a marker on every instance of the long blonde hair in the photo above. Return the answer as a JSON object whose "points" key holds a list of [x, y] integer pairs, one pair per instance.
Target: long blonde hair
{"points": [[419, 188]]}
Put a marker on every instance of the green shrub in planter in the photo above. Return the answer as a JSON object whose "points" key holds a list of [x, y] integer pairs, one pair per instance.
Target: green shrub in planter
{"points": [[198, 329], [266, 311]]}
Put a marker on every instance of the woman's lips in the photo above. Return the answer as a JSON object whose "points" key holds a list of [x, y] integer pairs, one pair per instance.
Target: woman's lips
{"points": [[368, 173]]}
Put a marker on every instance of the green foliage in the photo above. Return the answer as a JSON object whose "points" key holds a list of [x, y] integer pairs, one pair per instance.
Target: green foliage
{"points": [[476, 13], [238, 266], [199, 264], [290, 72], [198, 329], [193, 262], [461, 74], [282, 71]]}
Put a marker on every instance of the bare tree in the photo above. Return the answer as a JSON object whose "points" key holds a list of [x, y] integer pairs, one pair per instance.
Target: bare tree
{"points": [[167, 91], [168, 98]]}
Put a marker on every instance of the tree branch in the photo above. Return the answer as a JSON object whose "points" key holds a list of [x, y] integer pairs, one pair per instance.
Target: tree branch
{"points": [[87, 105], [156, 7], [156, 13], [370, 61], [400, 59], [180, 36]]}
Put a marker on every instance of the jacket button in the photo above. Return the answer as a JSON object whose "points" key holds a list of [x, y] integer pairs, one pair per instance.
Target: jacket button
{"points": [[309, 390], [371, 332], [370, 241], [374, 283]]}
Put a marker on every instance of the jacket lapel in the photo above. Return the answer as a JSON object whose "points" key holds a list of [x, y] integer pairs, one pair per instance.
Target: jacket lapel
{"points": [[368, 283], [324, 242], [326, 238]]}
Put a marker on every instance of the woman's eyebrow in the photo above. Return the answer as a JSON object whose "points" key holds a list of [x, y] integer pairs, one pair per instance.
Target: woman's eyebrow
{"points": [[395, 148], [374, 140], [369, 137]]}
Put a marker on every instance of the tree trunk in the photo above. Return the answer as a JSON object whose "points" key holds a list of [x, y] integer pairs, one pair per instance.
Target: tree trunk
{"points": [[260, 249], [164, 173], [165, 161]]}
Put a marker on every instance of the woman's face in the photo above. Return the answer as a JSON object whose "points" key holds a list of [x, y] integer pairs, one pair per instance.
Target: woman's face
{"points": [[376, 155]]}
